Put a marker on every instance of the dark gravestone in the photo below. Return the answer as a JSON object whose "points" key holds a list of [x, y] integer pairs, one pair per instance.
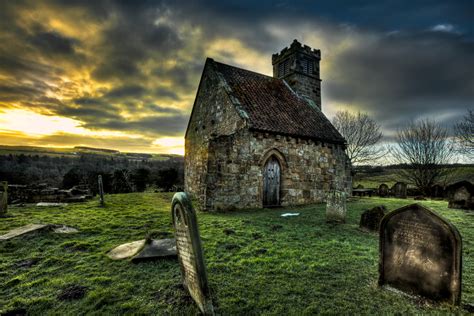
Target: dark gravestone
{"points": [[101, 191], [188, 245], [437, 191], [383, 190], [370, 219], [399, 190], [3, 198], [462, 198], [420, 253]]}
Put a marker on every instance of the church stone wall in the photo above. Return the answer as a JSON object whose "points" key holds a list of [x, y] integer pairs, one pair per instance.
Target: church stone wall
{"points": [[235, 170], [213, 114]]}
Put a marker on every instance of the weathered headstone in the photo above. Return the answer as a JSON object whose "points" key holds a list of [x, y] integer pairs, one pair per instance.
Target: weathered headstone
{"points": [[462, 198], [336, 207], [383, 190], [370, 219], [437, 191], [191, 259], [3, 198], [101, 191], [420, 253], [399, 190]]}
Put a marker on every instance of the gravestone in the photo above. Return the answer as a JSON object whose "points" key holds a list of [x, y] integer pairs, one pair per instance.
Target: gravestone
{"points": [[336, 207], [462, 198], [190, 255], [420, 253], [437, 191], [370, 219], [383, 190], [101, 191], [3, 198], [399, 190]]}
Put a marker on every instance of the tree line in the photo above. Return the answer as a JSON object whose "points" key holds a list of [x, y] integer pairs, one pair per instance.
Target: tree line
{"points": [[120, 175], [424, 147]]}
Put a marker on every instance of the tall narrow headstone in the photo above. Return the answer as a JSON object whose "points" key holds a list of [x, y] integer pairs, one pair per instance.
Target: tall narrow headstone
{"points": [[101, 191], [3, 198], [420, 253], [336, 207], [191, 259]]}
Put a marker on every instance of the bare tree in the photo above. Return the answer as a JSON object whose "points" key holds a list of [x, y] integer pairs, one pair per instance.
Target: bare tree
{"points": [[362, 133], [425, 148], [464, 134]]}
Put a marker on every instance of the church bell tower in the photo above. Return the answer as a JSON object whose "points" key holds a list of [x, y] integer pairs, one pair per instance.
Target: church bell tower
{"points": [[298, 65]]}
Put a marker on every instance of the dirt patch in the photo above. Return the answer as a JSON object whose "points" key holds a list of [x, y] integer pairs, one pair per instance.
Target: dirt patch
{"points": [[15, 312], [275, 227], [228, 231], [72, 292]]}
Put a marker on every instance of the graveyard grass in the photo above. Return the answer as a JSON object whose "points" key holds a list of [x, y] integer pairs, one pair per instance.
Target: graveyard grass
{"points": [[257, 261]]}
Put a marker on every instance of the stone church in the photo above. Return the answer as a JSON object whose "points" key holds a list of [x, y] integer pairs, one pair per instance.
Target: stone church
{"points": [[259, 141]]}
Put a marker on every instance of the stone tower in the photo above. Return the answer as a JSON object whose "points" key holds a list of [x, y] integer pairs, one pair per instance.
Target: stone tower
{"points": [[298, 65]]}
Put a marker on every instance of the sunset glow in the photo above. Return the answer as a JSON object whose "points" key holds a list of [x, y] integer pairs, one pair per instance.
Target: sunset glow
{"points": [[125, 75]]}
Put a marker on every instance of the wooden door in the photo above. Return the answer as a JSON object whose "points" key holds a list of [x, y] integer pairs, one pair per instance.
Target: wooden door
{"points": [[271, 183]]}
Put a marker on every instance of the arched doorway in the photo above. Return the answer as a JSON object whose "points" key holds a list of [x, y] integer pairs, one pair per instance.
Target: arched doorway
{"points": [[271, 182]]}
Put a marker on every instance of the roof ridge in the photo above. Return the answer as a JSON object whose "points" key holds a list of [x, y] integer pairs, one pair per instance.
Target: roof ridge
{"points": [[239, 68]]}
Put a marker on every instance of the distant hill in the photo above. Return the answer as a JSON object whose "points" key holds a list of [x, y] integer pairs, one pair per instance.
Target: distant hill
{"points": [[78, 151]]}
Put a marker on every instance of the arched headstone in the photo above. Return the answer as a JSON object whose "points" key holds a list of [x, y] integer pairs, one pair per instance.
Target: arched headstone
{"points": [[3, 198], [191, 259], [383, 190], [399, 190], [420, 253], [462, 198]]}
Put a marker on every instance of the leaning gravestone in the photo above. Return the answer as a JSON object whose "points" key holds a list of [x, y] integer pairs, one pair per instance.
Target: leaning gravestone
{"points": [[191, 259], [370, 219], [3, 198], [101, 191], [336, 207], [383, 190], [399, 190], [420, 253]]}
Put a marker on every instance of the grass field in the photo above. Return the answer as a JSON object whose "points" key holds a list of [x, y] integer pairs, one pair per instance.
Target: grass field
{"points": [[270, 266]]}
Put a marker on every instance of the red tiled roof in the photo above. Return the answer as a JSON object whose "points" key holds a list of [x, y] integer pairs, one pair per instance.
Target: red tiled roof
{"points": [[271, 105]]}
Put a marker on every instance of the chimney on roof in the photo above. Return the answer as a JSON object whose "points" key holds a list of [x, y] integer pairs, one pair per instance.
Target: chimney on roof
{"points": [[298, 65]]}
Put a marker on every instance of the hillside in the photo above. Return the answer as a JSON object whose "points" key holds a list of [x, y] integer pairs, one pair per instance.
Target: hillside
{"points": [[78, 151], [258, 262]]}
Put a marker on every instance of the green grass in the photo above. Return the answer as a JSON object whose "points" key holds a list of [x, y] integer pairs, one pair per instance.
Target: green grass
{"points": [[270, 266]]}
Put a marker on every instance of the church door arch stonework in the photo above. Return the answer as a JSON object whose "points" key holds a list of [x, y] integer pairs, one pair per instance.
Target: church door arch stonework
{"points": [[271, 182]]}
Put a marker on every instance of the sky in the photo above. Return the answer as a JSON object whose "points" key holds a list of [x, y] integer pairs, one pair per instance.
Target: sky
{"points": [[124, 74]]}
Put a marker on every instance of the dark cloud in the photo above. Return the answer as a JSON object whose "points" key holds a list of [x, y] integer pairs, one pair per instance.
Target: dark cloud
{"points": [[53, 43], [405, 76], [134, 91]]}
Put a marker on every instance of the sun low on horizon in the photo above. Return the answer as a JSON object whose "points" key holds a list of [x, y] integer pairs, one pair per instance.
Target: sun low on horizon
{"points": [[124, 75]]}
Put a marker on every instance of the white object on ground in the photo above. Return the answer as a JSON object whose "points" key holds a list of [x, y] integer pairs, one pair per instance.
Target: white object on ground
{"points": [[289, 214], [50, 204]]}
